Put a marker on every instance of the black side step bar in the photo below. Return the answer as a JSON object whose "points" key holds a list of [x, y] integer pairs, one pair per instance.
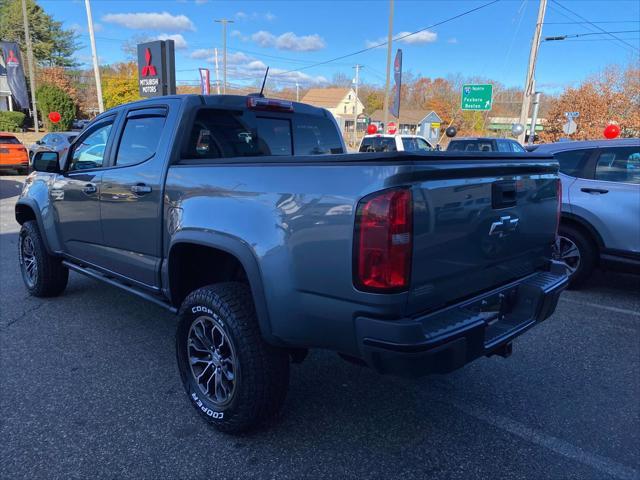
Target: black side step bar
{"points": [[103, 278]]}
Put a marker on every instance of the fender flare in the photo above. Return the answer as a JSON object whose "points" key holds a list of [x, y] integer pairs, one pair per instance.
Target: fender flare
{"points": [[33, 206], [244, 254]]}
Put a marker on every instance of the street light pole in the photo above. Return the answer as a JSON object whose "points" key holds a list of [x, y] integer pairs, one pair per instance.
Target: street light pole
{"points": [[94, 56], [529, 85], [355, 110], [215, 56], [224, 23], [534, 118], [32, 76], [386, 83]]}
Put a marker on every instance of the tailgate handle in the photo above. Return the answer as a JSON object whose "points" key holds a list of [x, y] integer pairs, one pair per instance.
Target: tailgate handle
{"points": [[503, 194]]}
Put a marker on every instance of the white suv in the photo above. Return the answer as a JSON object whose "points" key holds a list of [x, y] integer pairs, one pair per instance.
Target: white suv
{"points": [[394, 143]]}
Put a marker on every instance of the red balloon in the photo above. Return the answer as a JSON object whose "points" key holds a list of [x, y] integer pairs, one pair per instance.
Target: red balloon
{"points": [[611, 131], [54, 117], [372, 129]]}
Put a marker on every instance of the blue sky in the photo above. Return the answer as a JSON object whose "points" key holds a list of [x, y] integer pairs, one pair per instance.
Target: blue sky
{"points": [[290, 35]]}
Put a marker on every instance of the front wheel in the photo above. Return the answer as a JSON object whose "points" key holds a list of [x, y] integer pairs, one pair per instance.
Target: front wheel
{"points": [[232, 376]]}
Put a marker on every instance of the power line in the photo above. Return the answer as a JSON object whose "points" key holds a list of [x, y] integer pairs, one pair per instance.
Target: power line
{"points": [[373, 47], [575, 35], [594, 25]]}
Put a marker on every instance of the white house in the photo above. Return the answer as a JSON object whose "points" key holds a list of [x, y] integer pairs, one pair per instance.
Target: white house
{"points": [[341, 102]]}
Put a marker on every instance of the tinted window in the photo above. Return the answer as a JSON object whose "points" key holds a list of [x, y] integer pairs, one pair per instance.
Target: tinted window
{"points": [[89, 153], [226, 133], [516, 147], [378, 144], [54, 139], [470, 146], [414, 144], [140, 140], [572, 162], [619, 165], [47, 138], [503, 146], [9, 140], [314, 135]]}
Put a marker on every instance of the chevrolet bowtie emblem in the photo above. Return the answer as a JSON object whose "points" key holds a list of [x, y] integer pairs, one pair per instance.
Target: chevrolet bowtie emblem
{"points": [[504, 226]]}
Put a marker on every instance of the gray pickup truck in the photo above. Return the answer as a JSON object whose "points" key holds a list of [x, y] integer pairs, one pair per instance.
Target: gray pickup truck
{"points": [[246, 217]]}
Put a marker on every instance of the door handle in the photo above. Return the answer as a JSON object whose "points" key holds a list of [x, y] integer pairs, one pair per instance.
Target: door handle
{"points": [[141, 189], [594, 190], [90, 188]]}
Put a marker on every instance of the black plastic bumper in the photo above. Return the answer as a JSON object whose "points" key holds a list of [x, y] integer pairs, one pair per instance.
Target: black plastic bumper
{"points": [[448, 339]]}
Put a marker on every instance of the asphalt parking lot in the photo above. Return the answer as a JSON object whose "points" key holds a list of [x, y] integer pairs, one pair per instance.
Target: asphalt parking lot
{"points": [[89, 388]]}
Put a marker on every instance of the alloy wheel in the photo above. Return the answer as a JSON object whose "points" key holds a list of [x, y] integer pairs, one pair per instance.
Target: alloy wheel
{"points": [[28, 262], [566, 251]]}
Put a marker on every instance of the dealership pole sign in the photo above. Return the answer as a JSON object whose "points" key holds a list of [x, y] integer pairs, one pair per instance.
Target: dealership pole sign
{"points": [[397, 78], [205, 85], [15, 73], [156, 68]]}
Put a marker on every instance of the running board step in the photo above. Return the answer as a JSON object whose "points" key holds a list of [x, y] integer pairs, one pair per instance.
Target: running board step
{"points": [[112, 281]]}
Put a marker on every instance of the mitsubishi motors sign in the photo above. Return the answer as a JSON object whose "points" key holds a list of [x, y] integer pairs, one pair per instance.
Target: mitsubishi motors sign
{"points": [[156, 68]]}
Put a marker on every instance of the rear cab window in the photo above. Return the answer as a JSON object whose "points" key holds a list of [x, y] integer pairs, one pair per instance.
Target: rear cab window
{"points": [[378, 144], [222, 133]]}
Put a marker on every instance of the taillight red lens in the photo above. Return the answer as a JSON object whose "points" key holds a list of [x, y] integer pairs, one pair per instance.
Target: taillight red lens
{"points": [[383, 241], [559, 211]]}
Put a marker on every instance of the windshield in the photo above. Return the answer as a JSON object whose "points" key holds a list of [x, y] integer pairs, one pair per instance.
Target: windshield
{"points": [[9, 141]]}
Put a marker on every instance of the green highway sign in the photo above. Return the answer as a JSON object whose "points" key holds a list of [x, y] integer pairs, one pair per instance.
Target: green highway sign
{"points": [[477, 97]]}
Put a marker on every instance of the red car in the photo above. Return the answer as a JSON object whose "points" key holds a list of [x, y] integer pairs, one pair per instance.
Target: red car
{"points": [[13, 154]]}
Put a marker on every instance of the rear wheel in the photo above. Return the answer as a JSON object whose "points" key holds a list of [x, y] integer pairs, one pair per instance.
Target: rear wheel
{"points": [[232, 376], [42, 273], [577, 252]]}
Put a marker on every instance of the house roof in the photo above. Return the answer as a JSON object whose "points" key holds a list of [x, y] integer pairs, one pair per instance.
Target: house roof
{"points": [[407, 117], [325, 97]]}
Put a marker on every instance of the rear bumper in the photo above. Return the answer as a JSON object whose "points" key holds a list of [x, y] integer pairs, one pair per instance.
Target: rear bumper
{"points": [[448, 339]]}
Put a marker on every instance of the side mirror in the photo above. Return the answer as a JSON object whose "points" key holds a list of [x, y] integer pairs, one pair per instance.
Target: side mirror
{"points": [[46, 162]]}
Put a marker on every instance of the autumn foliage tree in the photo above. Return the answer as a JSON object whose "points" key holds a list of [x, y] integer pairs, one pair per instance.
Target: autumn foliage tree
{"points": [[611, 96], [120, 84]]}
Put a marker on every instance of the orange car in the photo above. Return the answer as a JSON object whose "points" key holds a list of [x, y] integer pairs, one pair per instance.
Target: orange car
{"points": [[13, 154]]}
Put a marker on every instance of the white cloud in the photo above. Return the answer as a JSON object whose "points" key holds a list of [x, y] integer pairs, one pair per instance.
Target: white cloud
{"points": [[150, 21], [201, 53], [452, 40], [256, 65], [289, 41], [416, 39], [200, 2], [179, 42], [241, 15], [238, 34], [270, 17]]}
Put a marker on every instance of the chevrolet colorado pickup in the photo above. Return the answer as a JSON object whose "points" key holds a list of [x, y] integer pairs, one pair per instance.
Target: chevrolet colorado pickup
{"points": [[245, 217]]}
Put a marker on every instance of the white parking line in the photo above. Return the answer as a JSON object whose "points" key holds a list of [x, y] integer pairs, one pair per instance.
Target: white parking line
{"points": [[561, 447], [604, 307]]}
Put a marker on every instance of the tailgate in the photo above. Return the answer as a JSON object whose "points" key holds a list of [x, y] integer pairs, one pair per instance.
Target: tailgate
{"points": [[479, 224]]}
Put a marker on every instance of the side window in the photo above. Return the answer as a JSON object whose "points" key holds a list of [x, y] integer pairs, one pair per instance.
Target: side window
{"points": [[620, 164], [139, 140], [517, 148], [572, 162], [409, 144], [503, 146], [366, 145], [89, 152], [422, 144]]}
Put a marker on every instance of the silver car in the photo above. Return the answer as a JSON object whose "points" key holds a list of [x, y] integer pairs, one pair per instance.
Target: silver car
{"points": [[53, 142], [600, 222]]}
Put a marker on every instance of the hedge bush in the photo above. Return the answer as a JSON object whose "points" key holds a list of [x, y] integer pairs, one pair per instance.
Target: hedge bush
{"points": [[53, 99], [11, 121]]}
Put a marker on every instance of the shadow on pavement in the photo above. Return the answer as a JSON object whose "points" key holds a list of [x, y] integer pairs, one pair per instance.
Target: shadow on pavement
{"points": [[9, 188]]}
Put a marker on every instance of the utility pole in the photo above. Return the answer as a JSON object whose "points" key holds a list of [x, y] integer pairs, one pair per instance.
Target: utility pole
{"points": [[534, 118], [215, 56], [32, 76], [355, 109], [297, 92], [224, 23], [386, 83], [94, 56], [529, 86]]}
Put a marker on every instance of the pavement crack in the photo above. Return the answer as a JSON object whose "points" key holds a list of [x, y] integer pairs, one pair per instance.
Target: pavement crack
{"points": [[24, 314]]}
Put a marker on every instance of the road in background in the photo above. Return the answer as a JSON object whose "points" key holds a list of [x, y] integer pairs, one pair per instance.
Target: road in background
{"points": [[89, 388]]}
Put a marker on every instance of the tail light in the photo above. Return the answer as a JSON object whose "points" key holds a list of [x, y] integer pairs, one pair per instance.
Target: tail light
{"points": [[269, 104], [383, 241], [559, 209]]}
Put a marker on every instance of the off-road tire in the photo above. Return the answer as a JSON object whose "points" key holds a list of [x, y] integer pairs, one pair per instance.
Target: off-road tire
{"points": [[261, 371], [51, 275], [588, 255]]}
